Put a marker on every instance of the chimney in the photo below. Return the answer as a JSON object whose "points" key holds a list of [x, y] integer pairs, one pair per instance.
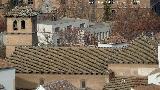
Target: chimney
{"points": [[159, 55]]}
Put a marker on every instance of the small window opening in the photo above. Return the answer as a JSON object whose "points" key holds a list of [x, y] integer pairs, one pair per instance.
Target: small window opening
{"points": [[83, 84], [57, 29], [15, 25], [23, 24]]}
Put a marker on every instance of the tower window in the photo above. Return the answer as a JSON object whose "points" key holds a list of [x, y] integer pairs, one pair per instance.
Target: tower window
{"points": [[23, 24], [15, 25], [30, 1]]}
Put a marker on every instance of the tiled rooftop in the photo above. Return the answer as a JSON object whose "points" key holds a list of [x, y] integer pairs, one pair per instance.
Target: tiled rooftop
{"points": [[22, 11], [143, 50], [125, 83], [59, 85], [155, 71]]}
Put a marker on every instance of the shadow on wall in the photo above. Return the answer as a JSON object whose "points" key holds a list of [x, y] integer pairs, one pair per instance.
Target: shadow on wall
{"points": [[22, 84]]}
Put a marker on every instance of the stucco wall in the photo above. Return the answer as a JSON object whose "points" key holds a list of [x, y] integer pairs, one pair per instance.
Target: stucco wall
{"points": [[7, 78], [95, 82], [132, 69]]}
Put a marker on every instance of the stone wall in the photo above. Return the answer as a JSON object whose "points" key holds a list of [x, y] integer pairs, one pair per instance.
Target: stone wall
{"points": [[95, 82]]}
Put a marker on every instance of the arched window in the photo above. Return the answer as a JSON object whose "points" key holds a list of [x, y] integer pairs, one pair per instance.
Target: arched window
{"points": [[15, 25], [23, 24]]}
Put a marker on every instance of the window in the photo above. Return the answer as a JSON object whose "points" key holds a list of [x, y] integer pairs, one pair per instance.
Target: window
{"points": [[30, 1], [23, 24], [15, 25], [82, 25], [83, 84], [91, 1], [69, 27], [58, 41], [113, 12], [135, 2], [57, 29], [110, 1]]}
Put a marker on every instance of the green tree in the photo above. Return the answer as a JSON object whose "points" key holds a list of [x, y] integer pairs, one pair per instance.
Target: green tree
{"points": [[107, 11]]}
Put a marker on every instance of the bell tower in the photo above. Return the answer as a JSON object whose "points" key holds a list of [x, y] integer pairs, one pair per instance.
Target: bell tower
{"points": [[21, 28]]}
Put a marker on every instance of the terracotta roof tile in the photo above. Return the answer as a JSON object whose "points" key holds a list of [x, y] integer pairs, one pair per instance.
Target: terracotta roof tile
{"points": [[22, 11], [61, 84], [82, 60], [125, 83]]}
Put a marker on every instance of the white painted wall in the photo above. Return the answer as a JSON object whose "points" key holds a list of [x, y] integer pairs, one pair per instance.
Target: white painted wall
{"points": [[62, 24], [7, 78]]}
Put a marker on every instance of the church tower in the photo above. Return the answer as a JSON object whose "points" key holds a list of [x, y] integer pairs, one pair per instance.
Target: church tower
{"points": [[21, 28]]}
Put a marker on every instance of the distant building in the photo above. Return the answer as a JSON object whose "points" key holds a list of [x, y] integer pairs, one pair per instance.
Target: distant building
{"points": [[7, 76], [52, 28]]}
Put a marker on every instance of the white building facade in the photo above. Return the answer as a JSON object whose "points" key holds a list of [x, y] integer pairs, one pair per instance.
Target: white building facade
{"points": [[7, 78], [51, 28]]}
